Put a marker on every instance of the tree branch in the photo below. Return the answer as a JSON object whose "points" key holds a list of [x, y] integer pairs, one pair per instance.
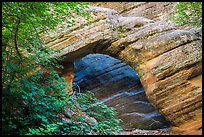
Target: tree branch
{"points": [[16, 47], [15, 39]]}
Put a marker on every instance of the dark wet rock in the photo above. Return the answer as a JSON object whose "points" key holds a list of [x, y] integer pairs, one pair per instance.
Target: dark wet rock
{"points": [[117, 85]]}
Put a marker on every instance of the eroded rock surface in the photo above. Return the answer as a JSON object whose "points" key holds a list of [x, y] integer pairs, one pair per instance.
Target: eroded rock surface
{"points": [[168, 60], [151, 10]]}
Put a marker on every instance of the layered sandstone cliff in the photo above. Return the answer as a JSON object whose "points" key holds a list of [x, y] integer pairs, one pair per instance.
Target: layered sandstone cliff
{"points": [[168, 60]]}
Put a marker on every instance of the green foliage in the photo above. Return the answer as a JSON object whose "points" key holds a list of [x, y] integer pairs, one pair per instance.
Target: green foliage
{"points": [[105, 123], [188, 13], [104, 115], [33, 102]]}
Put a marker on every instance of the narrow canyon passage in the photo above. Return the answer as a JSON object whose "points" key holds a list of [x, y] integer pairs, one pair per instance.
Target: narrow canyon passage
{"points": [[117, 85]]}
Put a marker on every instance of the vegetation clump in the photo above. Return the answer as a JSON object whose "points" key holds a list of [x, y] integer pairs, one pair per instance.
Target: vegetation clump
{"points": [[188, 13]]}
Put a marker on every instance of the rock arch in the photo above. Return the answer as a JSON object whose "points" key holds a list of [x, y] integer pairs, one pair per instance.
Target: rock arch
{"points": [[168, 60]]}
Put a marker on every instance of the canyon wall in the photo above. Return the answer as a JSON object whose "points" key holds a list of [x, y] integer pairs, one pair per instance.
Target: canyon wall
{"points": [[168, 60]]}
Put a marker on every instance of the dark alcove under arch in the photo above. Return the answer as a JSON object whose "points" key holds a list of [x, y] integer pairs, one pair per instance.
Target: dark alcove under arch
{"points": [[117, 85]]}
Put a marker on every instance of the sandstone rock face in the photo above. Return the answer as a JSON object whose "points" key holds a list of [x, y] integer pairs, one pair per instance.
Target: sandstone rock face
{"points": [[151, 10], [168, 60], [68, 74]]}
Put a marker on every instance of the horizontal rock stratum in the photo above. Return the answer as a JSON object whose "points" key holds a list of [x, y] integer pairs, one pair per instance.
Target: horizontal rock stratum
{"points": [[167, 60]]}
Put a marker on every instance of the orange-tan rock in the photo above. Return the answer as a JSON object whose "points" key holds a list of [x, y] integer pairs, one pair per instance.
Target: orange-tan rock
{"points": [[168, 60]]}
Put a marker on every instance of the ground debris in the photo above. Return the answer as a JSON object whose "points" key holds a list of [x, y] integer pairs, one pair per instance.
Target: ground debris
{"points": [[146, 132]]}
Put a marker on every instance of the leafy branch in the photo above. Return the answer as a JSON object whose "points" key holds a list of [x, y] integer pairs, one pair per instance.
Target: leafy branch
{"points": [[32, 103]]}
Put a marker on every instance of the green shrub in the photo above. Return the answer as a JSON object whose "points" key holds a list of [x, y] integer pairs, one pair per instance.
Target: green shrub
{"points": [[42, 120]]}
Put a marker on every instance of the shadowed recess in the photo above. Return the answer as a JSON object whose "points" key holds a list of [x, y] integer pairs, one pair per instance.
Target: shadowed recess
{"points": [[118, 85]]}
